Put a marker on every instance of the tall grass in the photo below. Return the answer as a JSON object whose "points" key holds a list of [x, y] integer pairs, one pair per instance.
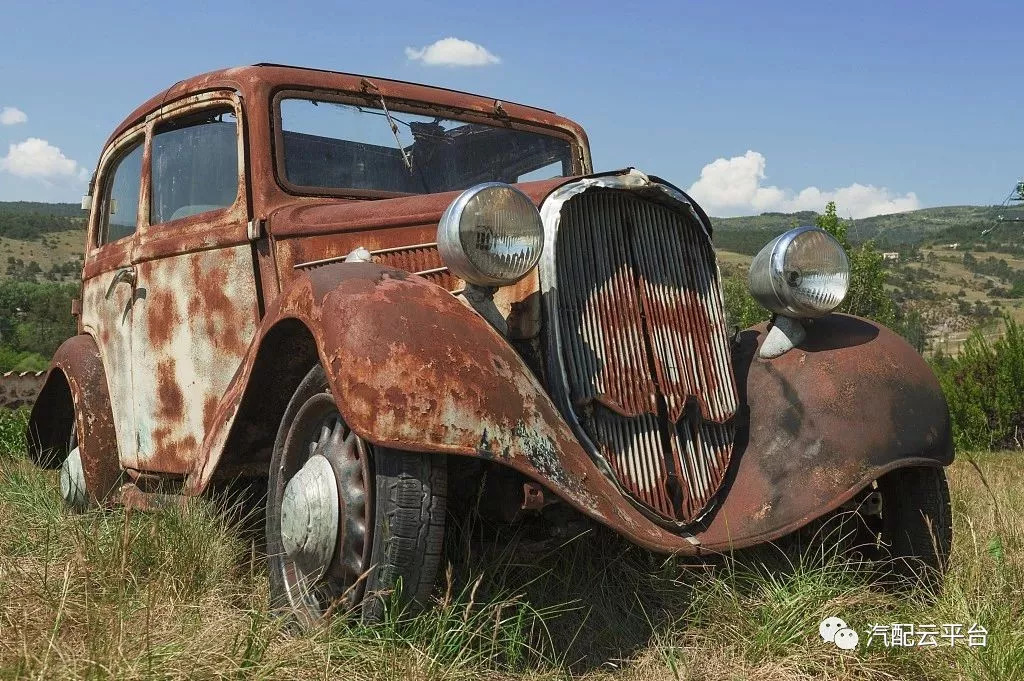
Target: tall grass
{"points": [[182, 593]]}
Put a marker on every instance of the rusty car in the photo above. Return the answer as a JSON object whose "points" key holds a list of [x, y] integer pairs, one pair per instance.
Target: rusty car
{"points": [[375, 298]]}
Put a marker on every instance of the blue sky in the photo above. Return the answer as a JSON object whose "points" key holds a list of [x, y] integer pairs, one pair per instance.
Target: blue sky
{"points": [[753, 106]]}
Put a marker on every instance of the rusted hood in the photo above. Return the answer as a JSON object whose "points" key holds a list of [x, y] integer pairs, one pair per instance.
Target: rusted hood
{"points": [[313, 216]]}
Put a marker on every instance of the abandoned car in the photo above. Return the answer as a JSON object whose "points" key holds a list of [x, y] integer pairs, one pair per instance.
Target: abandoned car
{"points": [[376, 298]]}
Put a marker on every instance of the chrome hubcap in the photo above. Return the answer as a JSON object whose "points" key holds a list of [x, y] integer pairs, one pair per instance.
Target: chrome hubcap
{"points": [[309, 516], [324, 509], [72, 480]]}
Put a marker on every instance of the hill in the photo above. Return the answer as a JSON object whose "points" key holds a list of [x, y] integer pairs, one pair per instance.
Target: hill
{"points": [[68, 210], [945, 224], [29, 220], [41, 240]]}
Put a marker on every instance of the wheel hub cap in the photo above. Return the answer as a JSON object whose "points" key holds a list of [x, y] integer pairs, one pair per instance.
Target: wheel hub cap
{"points": [[72, 480], [309, 516]]}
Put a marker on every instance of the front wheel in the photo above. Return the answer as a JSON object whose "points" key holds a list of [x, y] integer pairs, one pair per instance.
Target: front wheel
{"points": [[916, 524], [348, 523]]}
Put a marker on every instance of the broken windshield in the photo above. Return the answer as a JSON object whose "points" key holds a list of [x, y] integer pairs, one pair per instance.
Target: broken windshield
{"points": [[335, 147]]}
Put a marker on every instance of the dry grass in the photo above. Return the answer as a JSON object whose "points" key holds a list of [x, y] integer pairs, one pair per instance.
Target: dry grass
{"points": [[181, 593], [51, 249]]}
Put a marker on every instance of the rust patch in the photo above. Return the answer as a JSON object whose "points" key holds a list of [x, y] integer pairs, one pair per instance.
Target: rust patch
{"points": [[170, 399], [467, 392]]}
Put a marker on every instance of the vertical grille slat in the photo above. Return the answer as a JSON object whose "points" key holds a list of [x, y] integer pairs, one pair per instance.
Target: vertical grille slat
{"points": [[645, 347]]}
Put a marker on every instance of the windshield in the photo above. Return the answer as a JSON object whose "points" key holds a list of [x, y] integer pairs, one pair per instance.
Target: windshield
{"points": [[333, 146]]}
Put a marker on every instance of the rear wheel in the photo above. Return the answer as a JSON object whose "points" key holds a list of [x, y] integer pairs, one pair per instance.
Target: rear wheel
{"points": [[72, 474], [347, 523]]}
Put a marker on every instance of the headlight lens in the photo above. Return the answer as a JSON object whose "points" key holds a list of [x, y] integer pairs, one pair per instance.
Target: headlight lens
{"points": [[491, 235], [802, 273]]}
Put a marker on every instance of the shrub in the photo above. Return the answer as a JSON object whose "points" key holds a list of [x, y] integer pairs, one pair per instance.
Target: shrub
{"points": [[740, 307], [12, 432], [984, 386]]}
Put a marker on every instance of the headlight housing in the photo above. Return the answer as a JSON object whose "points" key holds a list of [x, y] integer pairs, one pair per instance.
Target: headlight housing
{"points": [[491, 235], [802, 273]]}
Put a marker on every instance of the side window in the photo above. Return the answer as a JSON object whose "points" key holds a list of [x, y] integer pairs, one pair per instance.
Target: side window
{"points": [[195, 165], [120, 205]]}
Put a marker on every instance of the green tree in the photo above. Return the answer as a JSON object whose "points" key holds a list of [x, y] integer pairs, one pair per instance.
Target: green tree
{"points": [[740, 307], [867, 296], [35, 318]]}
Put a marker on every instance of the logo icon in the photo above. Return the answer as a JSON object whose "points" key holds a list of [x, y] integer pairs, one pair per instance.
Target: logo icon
{"points": [[834, 630]]}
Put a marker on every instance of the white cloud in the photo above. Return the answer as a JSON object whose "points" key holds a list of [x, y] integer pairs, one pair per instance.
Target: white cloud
{"points": [[452, 52], [12, 116], [38, 159], [734, 186]]}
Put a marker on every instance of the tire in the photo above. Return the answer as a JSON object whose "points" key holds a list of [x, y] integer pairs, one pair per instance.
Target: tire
{"points": [[391, 517], [917, 524]]}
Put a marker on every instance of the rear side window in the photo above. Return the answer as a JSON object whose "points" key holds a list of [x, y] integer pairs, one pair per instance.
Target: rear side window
{"points": [[120, 206], [195, 165]]}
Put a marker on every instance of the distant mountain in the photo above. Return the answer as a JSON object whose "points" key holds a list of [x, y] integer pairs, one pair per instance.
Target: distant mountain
{"points": [[67, 210], [29, 220], [928, 225]]}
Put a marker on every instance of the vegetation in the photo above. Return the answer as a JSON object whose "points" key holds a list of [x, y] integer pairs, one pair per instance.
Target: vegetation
{"points": [[30, 220], [984, 386], [867, 296], [181, 593], [1000, 269], [34, 320], [928, 225]]}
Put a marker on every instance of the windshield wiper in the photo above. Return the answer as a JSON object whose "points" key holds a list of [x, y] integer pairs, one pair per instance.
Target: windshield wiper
{"points": [[367, 85]]}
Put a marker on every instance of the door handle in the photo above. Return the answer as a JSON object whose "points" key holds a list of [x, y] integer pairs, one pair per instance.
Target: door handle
{"points": [[124, 275]]}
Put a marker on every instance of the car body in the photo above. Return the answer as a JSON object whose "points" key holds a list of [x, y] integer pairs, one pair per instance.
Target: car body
{"points": [[246, 253]]}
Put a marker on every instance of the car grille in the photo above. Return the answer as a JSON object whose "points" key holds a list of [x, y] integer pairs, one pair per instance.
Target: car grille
{"points": [[644, 348]]}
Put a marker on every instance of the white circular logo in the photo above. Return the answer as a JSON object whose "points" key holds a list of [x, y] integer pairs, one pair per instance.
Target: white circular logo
{"points": [[828, 628], [846, 639]]}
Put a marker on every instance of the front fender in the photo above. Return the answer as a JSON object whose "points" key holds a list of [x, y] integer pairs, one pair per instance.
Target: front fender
{"points": [[414, 369], [851, 403]]}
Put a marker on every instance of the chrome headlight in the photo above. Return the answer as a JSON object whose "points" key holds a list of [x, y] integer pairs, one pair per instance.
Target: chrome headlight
{"points": [[491, 235], [802, 273]]}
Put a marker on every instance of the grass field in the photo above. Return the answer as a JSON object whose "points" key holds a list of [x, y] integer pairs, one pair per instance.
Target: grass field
{"points": [[181, 593], [51, 249]]}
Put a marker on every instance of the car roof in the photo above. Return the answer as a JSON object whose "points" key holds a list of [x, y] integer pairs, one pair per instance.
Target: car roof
{"points": [[248, 79]]}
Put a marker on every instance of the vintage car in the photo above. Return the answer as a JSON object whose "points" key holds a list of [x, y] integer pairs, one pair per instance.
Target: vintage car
{"points": [[375, 299]]}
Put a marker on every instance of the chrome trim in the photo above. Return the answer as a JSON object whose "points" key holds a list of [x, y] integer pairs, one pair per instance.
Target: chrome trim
{"points": [[379, 251], [767, 281], [433, 271], [449, 242], [551, 215]]}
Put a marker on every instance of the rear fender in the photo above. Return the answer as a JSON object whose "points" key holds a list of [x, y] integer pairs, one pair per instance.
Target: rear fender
{"points": [[76, 388]]}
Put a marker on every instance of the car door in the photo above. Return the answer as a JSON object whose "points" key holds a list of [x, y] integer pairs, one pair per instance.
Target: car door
{"points": [[195, 310], [107, 282]]}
